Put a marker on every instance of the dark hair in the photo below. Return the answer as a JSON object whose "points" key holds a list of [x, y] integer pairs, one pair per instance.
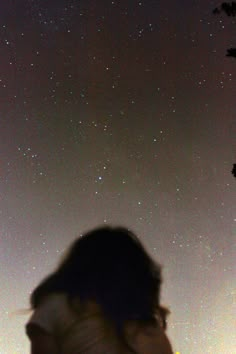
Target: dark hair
{"points": [[111, 266]]}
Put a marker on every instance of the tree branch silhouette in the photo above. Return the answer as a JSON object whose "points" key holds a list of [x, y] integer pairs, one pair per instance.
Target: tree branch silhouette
{"points": [[229, 8], [234, 170]]}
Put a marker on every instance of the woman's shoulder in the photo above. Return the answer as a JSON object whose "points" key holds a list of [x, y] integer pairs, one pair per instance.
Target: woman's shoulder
{"points": [[51, 311]]}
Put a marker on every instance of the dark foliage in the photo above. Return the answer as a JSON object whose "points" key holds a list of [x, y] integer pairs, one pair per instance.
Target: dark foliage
{"points": [[231, 52], [227, 7], [234, 170], [230, 9]]}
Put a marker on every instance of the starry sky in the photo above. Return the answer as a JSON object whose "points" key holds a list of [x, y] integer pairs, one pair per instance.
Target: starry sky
{"points": [[122, 113]]}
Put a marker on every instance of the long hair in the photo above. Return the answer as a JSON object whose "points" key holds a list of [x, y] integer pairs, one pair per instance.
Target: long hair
{"points": [[111, 266]]}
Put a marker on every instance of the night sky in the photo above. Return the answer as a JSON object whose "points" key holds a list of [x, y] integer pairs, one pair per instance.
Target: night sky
{"points": [[123, 113]]}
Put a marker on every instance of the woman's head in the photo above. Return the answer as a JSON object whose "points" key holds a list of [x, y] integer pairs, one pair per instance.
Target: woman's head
{"points": [[111, 266]]}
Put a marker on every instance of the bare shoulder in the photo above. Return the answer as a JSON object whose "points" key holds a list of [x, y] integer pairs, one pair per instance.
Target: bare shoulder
{"points": [[41, 341]]}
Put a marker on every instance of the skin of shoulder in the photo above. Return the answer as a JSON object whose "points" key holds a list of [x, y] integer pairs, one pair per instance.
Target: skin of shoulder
{"points": [[41, 342]]}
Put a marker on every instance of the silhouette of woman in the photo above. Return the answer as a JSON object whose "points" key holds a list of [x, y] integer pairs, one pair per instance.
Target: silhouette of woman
{"points": [[102, 299]]}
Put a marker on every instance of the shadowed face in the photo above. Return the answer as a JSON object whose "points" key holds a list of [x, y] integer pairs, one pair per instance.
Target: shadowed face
{"points": [[164, 343], [148, 338], [161, 316], [166, 346]]}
